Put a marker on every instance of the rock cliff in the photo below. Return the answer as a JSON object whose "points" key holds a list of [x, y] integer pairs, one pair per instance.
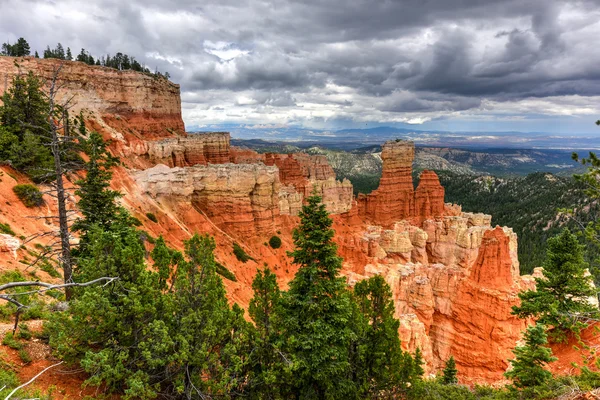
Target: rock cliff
{"points": [[240, 199], [121, 104], [195, 149]]}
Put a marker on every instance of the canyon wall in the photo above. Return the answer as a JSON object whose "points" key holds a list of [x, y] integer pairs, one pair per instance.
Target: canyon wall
{"points": [[299, 174], [120, 101]]}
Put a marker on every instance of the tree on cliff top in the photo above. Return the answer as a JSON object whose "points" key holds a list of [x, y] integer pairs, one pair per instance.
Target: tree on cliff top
{"points": [[19, 49], [317, 310], [560, 299], [528, 366]]}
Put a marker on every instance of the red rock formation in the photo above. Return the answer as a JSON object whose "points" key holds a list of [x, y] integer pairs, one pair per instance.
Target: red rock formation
{"points": [[193, 149], [429, 197], [394, 199], [240, 199], [151, 107], [493, 267]]}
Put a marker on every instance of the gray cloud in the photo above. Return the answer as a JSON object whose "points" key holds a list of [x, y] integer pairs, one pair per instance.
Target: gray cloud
{"points": [[299, 61]]}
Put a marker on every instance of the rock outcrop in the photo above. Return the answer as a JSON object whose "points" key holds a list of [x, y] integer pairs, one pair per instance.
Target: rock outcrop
{"points": [[119, 100], [396, 199], [193, 149], [240, 199]]}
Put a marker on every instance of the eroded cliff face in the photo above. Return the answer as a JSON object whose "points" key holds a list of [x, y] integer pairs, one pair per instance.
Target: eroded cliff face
{"points": [[297, 175], [123, 105], [240, 199]]}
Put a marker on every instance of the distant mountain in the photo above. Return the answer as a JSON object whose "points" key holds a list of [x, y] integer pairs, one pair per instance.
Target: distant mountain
{"points": [[348, 139]]}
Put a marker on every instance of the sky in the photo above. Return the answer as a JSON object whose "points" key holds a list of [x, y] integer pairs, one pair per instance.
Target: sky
{"points": [[468, 65]]}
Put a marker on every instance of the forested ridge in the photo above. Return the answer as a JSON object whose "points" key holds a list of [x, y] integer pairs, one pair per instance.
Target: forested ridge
{"points": [[534, 206]]}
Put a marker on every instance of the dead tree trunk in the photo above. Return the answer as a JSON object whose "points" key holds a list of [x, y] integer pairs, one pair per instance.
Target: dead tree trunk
{"points": [[61, 195]]}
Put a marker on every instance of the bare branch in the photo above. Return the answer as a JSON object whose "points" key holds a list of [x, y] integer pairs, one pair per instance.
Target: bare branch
{"points": [[31, 380], [51, 286]]}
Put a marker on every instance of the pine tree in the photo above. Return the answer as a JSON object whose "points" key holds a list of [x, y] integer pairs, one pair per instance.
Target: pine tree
{"points": [[97, 202], [21, 48], [110, 329], [210, 351], [24, 117], [418, 362], [36, 54], [165, 260], [562, 293], [59, 52], [266, 363], [385, 368], [450, 372], [528, 366], [317, 311], [69, 56]]}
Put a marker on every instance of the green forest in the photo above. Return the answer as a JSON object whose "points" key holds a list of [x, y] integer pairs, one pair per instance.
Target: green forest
{"points": [[537, 207]]}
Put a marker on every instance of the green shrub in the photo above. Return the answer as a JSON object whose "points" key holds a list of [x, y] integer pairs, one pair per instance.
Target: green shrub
{"points": [[152, 217], [275, 242], [29, 194], [23, 332], [24, 355], [225, 273], [10, 341], [135, 221], [5, 228], [8, 381], [240, 254], [49, 269]]}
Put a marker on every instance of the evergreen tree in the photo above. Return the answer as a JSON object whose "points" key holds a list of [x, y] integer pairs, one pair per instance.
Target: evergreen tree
{"points": [[24, 120], [385, 368], [528, 366], [165, 260], [109, 329], [449, 373], [69, 56], [36, 54], [561, 294], [97, 202], [59, 52], [265, 379], [210, 351], [317, 310], [418, 362]]}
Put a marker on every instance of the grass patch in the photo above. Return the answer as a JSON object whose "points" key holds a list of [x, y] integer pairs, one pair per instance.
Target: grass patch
{"points": [[49, 269], [29, 194], [240, 254], [152, 217], [225, 273], [6, 229]]}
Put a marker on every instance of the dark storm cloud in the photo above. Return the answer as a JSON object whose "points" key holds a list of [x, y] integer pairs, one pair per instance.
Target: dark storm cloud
{"points": [[336, 58]]}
